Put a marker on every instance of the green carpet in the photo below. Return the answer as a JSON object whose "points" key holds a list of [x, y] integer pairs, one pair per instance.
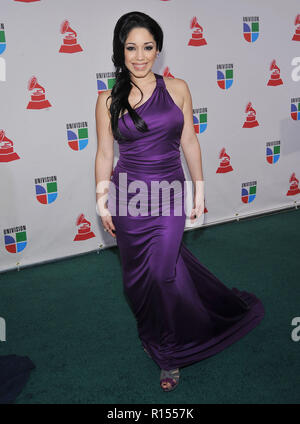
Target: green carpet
{"points": [[71, 318]]}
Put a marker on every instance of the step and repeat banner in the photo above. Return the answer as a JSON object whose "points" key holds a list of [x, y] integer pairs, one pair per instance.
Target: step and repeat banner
{"points": [[241, 60]]}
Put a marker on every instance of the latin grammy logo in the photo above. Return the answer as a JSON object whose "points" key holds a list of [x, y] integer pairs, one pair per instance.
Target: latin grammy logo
{"points": [[197, 35], [70, 44], [7, 153], [84, 229], [294, 185], [251, 117], [38, 100], [167, 73], [296, 36], [224, 163], [275, 75]]}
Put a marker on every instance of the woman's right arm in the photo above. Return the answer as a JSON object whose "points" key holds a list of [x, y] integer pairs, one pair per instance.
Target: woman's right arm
{"points": [[104, 158]]}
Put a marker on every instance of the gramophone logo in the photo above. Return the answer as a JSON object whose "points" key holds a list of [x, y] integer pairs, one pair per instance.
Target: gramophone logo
{"points": [[7, 153], [84, 229], [224, 165], [296, 36], [70, 44], [225, 75], [46, 189], [2, 38], [251, 28], [251, 117], [200, 119], [38, 100], [275, 75], [167, 73], [295, 108], [105, 81], [197, 35], [273, 151], [249, 191], [77, 134], [15, 239], [294, 185]]}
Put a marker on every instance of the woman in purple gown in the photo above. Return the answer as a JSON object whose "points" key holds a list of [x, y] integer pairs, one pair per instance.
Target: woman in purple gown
{"points": [[184, 313]]}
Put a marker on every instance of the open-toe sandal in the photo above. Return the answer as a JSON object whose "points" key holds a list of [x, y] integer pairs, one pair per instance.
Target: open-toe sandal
{"points": [[171, 377]]}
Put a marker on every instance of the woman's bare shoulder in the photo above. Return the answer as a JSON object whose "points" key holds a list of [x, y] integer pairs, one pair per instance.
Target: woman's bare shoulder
{"points": [[105, 94], [104, 98], [178, 89], [178, 84]]}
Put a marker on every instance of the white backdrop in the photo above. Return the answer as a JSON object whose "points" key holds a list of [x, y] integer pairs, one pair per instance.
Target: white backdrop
{"points": [[50, 75]]}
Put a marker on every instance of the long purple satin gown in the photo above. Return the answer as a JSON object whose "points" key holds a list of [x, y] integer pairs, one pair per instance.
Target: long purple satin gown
{"points": [[184, 313]]}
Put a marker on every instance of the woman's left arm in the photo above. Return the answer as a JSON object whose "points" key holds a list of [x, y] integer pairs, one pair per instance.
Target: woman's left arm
{"points": [[191, 149]]}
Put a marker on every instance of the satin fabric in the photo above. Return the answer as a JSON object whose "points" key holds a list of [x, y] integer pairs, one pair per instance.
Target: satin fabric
{"points": [[184, 313]]}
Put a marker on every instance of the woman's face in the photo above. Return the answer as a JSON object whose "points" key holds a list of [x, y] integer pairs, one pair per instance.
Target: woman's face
{"points": [[139, 51]]}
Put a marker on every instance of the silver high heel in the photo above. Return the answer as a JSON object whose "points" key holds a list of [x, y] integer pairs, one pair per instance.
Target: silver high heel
{"points": [[169, 377]]}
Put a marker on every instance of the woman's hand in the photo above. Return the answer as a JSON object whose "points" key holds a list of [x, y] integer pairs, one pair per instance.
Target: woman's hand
{"points": [[105, 215], [198, 209]]}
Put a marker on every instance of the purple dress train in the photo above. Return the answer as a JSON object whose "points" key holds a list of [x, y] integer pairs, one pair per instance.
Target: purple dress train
{"points": [[184, 313]]}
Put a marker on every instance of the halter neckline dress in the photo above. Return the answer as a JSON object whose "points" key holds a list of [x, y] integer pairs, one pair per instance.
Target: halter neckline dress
{"points": [[184, 313]]}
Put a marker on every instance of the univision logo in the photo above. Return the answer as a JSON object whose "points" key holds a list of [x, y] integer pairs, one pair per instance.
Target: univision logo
{"points": [[251, 28], [15, 239], [249, 191], [2, 49], [225, 76], [295, 109], [77, 134], [273, 151], [105, 80], [200, 119], [2, 39], [46, 189]]}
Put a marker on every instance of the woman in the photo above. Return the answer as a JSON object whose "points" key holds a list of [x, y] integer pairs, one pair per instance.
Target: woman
{"points": [[183, 312]]}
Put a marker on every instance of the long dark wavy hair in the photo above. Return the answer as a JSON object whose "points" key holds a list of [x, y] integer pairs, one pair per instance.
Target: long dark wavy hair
{"points": [[121, 89]]}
